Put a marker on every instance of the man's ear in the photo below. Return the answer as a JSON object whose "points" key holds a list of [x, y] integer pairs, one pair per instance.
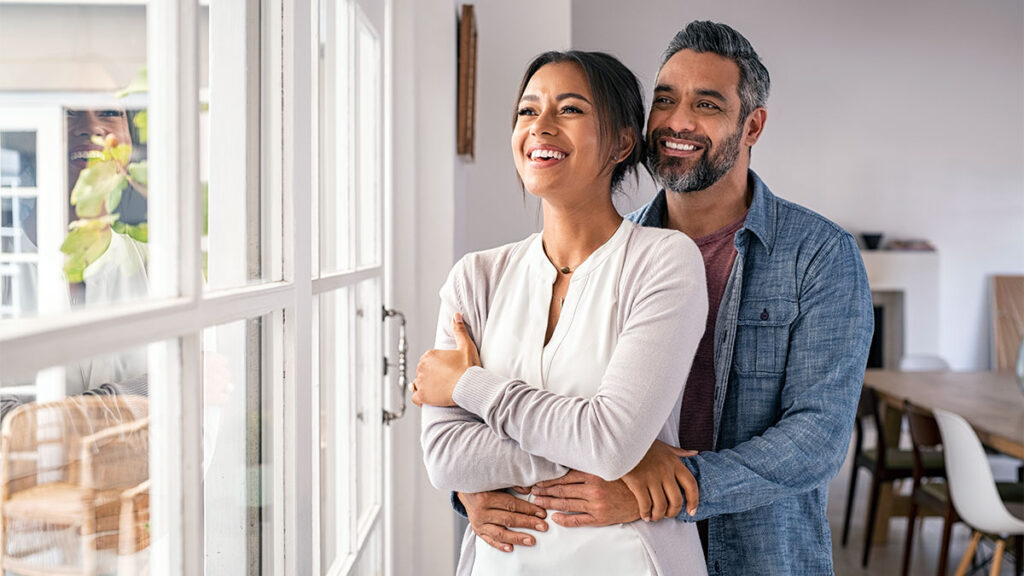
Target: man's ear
{"points": [[753, 126]]}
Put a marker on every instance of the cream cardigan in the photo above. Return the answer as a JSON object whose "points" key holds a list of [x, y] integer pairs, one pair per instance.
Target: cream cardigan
{"points": [[508, 432]]}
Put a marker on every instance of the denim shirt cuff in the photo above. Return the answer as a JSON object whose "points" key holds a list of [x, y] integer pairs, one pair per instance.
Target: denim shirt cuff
{"points": [[457, 505]]}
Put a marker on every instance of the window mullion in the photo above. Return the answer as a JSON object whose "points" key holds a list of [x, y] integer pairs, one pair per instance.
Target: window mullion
{"points": [[298, 186]]}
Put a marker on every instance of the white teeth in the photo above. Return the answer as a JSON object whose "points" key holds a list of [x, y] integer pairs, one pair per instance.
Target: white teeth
{"points": [[674, 146], [86, 154], [542, 153]]}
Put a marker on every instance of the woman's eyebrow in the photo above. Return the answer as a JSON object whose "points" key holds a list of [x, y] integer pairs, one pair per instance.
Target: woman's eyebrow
{"points": [[560, 97]]}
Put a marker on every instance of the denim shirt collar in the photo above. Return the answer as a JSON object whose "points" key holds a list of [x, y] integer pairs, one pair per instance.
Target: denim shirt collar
{"points": [[760, 219]]}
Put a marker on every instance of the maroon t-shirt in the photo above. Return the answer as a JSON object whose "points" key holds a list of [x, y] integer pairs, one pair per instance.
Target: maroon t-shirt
{"points": [[697, 417], [697, 420]]}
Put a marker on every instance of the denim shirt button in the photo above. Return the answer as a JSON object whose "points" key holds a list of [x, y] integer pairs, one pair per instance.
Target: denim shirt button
{"points": [[764, 315], [717, 569]]}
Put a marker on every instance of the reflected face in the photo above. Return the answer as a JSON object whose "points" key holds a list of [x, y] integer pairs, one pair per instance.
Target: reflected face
{"points": [[82, 125], [556, 142], [694, 129]]}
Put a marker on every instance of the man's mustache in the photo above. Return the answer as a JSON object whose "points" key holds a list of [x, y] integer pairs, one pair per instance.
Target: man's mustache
{"points": [[686, 135]]}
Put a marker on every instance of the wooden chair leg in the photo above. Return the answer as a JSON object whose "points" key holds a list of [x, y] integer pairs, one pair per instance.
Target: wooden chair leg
{"points": [[968, 554], [869, 533], [849, 502], [997, 558], [911, 520], [947, 535]]}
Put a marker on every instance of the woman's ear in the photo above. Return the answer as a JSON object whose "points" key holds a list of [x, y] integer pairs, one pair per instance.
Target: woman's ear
{"points": [[627, 142]]}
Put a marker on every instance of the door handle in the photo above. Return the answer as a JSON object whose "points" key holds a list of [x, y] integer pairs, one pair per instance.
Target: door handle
{"points": [[401, 365]]}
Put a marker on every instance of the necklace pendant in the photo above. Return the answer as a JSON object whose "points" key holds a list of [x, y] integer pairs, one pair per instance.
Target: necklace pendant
{"points": [[565, 270]]}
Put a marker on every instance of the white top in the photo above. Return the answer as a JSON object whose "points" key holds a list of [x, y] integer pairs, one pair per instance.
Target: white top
{"points": [[571, 364], [594, 399]]}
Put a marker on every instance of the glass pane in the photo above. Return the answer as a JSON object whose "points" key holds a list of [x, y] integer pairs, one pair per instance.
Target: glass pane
{"points": [[369, 144], [336, 217], [17, 223], [236, 447], [236, 215], [90, 416], [368, 389], [335, 343], [17, 159], [73, 154], [17, 289], [370, 559]]}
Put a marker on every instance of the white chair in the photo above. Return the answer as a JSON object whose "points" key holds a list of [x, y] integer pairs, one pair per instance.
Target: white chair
{"points": [[973, 489]]}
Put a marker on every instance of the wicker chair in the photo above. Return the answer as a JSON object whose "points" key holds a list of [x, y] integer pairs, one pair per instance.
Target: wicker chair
{"points": [[68, 469]]}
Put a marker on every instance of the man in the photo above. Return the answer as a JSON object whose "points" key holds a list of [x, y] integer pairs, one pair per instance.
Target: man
{"points": [[772, 395]]}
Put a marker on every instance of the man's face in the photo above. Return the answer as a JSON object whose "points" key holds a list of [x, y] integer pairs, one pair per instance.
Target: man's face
{"points": [[694, 130]]}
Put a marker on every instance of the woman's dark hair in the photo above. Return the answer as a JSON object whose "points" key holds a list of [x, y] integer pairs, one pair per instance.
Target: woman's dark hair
{"points": [[617, 100]]}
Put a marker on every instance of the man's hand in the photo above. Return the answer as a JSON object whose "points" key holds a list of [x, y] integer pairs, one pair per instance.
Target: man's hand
{"points": [[439, 370], [650, 491], [656, 482], [596, 502], [491, 514]]}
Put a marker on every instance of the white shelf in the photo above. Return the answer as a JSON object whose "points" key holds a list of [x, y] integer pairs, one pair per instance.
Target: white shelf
{"points": [[915, 273]]}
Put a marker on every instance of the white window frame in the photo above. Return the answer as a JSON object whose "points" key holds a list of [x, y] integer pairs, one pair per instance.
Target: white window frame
{"points": [[180, 310]]}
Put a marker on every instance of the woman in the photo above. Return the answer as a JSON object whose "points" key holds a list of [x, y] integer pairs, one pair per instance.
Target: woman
{"points": [[585, 332]]}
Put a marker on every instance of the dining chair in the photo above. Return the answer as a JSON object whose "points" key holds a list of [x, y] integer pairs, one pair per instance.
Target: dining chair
{"points": [[932, 494], [972, 488], [66, 469], [929, 493], [885, 463]]}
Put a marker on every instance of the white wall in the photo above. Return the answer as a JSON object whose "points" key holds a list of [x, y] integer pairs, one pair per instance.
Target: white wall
{"points": [[490, 206], [423, 141], [78, 48], [902, 117], [446, 206]]}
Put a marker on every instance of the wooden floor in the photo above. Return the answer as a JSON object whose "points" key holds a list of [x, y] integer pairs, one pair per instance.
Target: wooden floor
{"points": [[887, 559]]}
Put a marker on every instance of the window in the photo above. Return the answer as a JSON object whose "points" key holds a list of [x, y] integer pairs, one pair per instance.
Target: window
{"points": [[156, 228]]}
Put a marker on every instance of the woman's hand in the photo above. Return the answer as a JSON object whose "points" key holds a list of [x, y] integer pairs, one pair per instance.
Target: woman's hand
{"points": [[656, 483], [439, 370]]}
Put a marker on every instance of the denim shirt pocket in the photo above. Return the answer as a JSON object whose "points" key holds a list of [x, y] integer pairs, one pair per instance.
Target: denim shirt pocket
{"points": [[762, 335]]}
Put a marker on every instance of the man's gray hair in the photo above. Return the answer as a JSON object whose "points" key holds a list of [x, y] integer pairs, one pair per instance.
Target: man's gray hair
{"points": [[716, 38]]}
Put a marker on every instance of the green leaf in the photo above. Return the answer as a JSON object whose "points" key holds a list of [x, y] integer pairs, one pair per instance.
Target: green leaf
{"points": [[141, 122], [138, 85], [122, 153], [114, 199], [97, 184], [140, 232], [84, 245], [139, 171]]}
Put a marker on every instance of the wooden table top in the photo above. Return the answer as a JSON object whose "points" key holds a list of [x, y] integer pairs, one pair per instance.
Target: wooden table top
{"points": [[992, 402]]}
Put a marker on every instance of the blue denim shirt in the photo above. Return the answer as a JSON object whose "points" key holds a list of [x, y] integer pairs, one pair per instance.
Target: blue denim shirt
{"points": [[791, 344]]}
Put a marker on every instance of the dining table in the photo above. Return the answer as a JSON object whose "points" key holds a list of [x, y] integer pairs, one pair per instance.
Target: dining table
{"points": [[991, 402]]}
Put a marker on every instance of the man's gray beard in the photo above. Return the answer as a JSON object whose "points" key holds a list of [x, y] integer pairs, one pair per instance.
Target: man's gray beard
{"points": [[702, 176]]}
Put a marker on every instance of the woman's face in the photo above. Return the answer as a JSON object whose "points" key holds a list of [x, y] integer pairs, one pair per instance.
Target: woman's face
{"points": [[556, 142], [82, 125]]}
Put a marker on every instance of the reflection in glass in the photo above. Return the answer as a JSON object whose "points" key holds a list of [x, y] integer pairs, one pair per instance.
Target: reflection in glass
{"points": [[368, 407], [236, 447], [73, 161], [337, 221], [106, 246], [17, 159], [369, 145], [75, 461], [17, 223], [337, 319]]}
